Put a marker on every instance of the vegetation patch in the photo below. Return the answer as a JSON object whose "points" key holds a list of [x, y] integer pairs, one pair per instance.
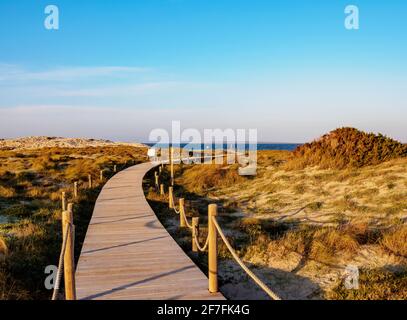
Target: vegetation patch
{"points": [[347, 148], [31, 183], [374, 284]]}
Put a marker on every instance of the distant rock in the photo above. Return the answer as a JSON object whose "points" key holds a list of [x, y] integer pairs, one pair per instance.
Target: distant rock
{"points": [[52, 142]]}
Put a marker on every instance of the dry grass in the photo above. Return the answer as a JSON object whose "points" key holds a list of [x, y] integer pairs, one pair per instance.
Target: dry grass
{"points": [[374, 284], [330, 217], [7, 192], [326, 245], [202, 178], [31, 182], [395, 241], [333, 243], [3, 247]]}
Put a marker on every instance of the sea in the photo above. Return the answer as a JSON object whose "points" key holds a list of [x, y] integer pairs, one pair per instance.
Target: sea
{"points": [[260, 146]]}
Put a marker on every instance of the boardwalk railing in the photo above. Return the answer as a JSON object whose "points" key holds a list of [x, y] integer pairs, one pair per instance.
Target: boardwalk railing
{"points": [[210, 245], [66, 262]]}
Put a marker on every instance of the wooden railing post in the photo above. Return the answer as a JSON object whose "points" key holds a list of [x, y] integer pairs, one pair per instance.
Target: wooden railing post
{"points": [[170, 198], [172, 165], [115, 168], [69, 260], [63, 201], [182, 216], [90, 181], [75, 189], [212, 250], [156, 179], [101, 175], [195, 233], [162, 189]]}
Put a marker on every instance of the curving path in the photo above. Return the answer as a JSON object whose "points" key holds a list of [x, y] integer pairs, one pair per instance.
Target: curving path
{"points": [[128, 254]]}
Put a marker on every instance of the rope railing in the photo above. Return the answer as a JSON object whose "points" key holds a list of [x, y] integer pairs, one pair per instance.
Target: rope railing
{"points": [[182, 213], [66, 261], [242, 265], [174, 206], [196, 240], [60, 264], [211, 244]]}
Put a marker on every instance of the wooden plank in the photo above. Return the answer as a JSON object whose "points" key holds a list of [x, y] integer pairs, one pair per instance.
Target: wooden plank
{"points": [[128, 254]]}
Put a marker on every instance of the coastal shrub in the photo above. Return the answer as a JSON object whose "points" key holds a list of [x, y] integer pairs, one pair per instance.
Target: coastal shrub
{"points": [[321, 244], [347, 148], [327, 243]]}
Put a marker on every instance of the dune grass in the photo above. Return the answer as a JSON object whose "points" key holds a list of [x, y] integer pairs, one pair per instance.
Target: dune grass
{"points": [[31, 183], [329, 218], [374, 284], [395, 241]]}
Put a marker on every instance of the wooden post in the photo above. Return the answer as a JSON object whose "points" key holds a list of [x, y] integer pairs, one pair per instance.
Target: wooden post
{"points": [[156, 179], [69, 260], [195, 233], [63, 200], [170, 198], [90, 181], [75, 189], [212, 250], [101, 175], [172, 165], [182, 216], [162, 189], [115, 168]]}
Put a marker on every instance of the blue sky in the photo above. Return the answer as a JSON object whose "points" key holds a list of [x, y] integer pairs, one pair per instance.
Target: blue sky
{"points": [[118, 69]]}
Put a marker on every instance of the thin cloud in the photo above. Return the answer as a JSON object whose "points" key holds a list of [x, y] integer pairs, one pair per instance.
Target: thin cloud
{"points": [[16, 73], [111, 91]]}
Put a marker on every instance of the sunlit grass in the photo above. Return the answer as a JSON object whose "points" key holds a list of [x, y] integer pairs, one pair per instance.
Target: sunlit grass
{"points": [[31, 183]]}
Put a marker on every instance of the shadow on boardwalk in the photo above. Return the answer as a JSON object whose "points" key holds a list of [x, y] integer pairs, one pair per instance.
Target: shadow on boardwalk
{"points": [[136, 283]]}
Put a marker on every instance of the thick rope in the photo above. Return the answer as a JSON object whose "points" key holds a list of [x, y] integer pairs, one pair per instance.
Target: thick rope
{"points": [[61, 264], [173, 203], [240, 262], [199, 246], [185, 219]]}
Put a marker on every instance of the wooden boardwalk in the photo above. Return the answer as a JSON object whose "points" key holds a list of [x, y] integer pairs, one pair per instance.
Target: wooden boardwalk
{"points": [[128, 254]]}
